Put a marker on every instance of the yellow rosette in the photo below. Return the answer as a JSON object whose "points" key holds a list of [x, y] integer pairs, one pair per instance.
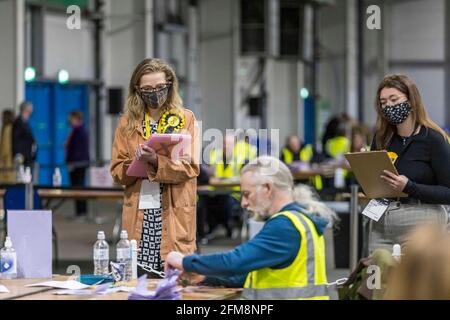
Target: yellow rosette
{"points": [[393, 156], [171, 121]]}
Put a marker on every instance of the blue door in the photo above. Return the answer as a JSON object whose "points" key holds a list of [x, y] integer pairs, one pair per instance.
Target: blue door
{"points": [[67, 98], [52, 104], [40, 94]]}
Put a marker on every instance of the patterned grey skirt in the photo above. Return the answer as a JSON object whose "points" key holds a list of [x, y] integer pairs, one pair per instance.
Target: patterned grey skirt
{"points": [[399, 219]]}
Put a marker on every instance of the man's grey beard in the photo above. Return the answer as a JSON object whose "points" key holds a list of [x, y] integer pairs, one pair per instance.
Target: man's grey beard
{"points": [[261, 212]]}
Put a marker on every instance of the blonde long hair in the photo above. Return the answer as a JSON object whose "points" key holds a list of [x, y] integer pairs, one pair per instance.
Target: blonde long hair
{"points": [[420, 116], [424, 269], [134, 106]]}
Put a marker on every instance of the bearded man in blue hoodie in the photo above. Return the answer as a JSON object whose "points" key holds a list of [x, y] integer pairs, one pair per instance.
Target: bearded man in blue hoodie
{"points": [[285, 260]]}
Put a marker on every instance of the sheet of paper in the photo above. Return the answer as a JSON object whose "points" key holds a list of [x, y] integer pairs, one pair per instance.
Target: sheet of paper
{"points": [[149, 197], [3, 289], [70, 285], [91, 292], [167, 289], [375, 209], [31, 235]]}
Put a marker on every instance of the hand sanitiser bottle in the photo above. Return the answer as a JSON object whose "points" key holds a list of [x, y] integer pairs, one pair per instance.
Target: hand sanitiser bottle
{"points": [[101, 255], [8, 261]]}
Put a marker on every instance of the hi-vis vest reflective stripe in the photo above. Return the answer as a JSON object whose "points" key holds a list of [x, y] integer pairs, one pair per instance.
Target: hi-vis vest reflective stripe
{"points": [[306, 155], [305, 278]]}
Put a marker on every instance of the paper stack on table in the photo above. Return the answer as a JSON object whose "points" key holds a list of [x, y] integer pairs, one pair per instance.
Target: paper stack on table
{"points": [[3, 289], [166, 289], [102, 289], [70, 285]]}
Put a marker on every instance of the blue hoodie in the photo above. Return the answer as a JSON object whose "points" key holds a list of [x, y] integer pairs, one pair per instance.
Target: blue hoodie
{"points": [[275, 246]]}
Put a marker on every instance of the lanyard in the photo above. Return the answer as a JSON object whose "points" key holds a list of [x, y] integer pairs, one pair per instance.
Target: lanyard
{"points": [[404, 146], [147, 132]]}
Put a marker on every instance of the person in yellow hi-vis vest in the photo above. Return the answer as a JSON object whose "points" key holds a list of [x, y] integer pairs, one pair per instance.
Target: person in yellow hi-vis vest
{"points": [[227, 163], [286, 259], [294, 151], [335, 148]]}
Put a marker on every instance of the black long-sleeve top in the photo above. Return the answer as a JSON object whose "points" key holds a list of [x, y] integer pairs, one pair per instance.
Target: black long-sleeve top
{"points": [[425, 160], [23, 141]]}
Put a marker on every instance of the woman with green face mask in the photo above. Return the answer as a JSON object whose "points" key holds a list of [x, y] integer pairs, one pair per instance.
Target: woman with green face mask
{"points": [[421, 154]]}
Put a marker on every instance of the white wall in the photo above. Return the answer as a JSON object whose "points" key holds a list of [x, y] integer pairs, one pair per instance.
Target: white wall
{"points": [[11, 53], [411, 41], [332, 66], [72, 50], [416, 30], [124, 47], [282, 98], [416, 33], [124, 40], [216, 63]]}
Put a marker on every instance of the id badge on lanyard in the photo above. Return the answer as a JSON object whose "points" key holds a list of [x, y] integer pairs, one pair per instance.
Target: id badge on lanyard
{"points": [[376, 208], [149, 197]]}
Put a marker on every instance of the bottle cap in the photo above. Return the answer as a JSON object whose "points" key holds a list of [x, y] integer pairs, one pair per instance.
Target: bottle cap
{"points": [[124, 234], [28, 177], [396, 251], [101, 235], [8, 242]]}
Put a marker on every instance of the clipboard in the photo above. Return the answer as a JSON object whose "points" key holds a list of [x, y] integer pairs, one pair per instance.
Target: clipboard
{"points": [[169, 145], [368, 167]]}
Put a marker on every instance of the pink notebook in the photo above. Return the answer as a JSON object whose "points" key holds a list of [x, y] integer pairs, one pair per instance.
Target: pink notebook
{"points": [[169, 145]]}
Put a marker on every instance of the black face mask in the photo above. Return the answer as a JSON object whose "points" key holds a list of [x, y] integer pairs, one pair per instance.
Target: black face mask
{"points": [[398, 113], [154, 99]]}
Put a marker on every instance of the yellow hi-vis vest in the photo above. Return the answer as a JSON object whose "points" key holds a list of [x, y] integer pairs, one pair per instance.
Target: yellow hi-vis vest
{"points": [[305, 278], [337, 146], [221, 170], [306, 154], [244, 152]]}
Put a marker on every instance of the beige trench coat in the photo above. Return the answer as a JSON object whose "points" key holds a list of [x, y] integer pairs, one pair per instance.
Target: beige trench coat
{"points": [[179, 193]]}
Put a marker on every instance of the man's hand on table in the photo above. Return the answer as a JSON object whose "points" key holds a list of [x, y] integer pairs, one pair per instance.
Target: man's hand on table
{"points": [[174, 260]]}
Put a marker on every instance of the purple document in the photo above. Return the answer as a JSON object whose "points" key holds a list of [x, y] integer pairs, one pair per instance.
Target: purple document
{"points": [[31, 235], [169, 145]]}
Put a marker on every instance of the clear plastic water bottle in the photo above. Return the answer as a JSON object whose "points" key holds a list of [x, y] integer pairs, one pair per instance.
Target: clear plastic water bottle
{"points": [[339, 178], [21, 174], [57, 179], [124, 254], [28, 178], [101, 255], [8, 261]]}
